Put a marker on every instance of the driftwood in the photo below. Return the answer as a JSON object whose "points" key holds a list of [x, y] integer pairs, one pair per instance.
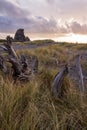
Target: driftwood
{"points": [[58, 81], [2, 65], [20, 66], [35, 65], [16, 67], [79, 70], [8, 48], [24, 63]]}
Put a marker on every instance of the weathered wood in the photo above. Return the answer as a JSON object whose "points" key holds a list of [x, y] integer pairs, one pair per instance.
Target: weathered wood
{"points": [[24, 63], [3, 47], [20, 66], [35, 65], [12, 58], [58, 81], [85, 77], [2, 65], [79, 70], [9, 48], [18, 72], [26, 69], [16, 67]]}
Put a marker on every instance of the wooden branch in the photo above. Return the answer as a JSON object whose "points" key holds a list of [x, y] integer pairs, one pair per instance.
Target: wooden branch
{"points": [[79, 70], [35, 65], [4, 48], [85, 77], [24, 63], [58, 81], [20, 67], [9, 48], [23, 77], [2, 65], [16, 67]]}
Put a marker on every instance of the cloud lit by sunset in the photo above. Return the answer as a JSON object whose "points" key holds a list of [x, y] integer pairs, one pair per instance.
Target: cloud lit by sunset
{"points": [[64, 20]]}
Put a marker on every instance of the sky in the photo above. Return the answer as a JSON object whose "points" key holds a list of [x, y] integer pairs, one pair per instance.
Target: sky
{"points": [[45, 18]]}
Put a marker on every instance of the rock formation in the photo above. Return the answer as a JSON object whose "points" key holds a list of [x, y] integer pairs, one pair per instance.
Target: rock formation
{"points": [[27, 39], [20, 37]]}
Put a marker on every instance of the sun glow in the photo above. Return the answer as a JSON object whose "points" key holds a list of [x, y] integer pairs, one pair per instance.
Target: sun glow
{"points": [[72, 38]]}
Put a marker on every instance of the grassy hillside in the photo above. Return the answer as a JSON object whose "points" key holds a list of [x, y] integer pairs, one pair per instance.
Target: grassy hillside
{"points": [[31, 105]]}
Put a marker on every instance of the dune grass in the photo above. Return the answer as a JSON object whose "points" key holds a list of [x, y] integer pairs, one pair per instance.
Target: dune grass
{"points": [[40, 42], [35, 42], [31, 105], [49, 55], [2, 40]]}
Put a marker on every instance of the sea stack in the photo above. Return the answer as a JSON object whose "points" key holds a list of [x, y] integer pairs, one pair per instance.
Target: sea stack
{"points": [[20, 36]]}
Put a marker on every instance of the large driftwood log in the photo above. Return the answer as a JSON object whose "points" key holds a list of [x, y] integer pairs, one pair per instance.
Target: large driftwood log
{"points": [[79, 70], [58, 81], [20, 66]]}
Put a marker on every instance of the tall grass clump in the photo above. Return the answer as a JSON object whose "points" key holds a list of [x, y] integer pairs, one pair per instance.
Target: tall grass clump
{"points": [[31, 105]]}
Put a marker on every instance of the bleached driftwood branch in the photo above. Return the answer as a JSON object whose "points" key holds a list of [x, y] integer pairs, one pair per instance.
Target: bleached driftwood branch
{"points": [[35, 65], [58, 81], [19, 66], [79, 70]]}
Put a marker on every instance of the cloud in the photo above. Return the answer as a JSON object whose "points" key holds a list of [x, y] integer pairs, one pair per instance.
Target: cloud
{"points": [[50, 1], [12, 17], [6, 24], [77, 27], [42, 25], [67, 9], [8, 8]]}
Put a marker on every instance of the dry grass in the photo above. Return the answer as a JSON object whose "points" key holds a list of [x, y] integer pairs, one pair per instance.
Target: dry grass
{"points": [[31, 105], [49, 55]]}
